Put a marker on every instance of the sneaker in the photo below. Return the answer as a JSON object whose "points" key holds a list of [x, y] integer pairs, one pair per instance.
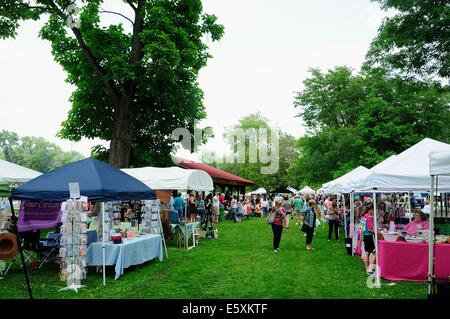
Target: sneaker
{"points": [[304, 235], [275, 250], [329, 239], [370, 272]]}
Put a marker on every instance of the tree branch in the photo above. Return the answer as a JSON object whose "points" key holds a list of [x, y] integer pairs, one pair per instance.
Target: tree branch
{"points": [[132, 5], [109, 84], [106, 11]]}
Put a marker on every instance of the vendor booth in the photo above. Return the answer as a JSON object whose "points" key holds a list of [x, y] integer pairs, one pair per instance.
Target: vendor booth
{"points": [[175, 178], [439, 167], [307, 191], [12, 175], [406, 172], [96, 182]]}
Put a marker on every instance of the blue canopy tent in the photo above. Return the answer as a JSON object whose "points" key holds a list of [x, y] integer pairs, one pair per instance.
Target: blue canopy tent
{"points": [[99, 181]]}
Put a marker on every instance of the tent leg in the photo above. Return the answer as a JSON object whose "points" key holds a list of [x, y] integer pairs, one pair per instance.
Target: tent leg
{"points": [[25, 271], [375, 229], [162, 233], [431, 237], [103, 242]]}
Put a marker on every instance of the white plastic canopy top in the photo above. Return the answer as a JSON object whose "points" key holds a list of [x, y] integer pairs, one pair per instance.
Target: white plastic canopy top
{"points": [[171, 178], [353, 183], [408, 171], [260, 191], [440, 163], [293, 190], [13, 173], [307, 191], [337, 185]]}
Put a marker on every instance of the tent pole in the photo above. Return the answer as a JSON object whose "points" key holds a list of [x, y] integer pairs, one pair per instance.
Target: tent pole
{"points": [[25, 271], [345, 215], [352, 218], [409, 208], [103, 243], [375, 229], [186, 239], [431, 236]]}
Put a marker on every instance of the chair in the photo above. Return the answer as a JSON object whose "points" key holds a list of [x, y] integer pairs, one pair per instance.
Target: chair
{"points": [[40, 250], [175, 220]]}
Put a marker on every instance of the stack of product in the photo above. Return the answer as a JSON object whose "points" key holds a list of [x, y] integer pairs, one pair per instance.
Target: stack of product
{"points": [[73, 241], [151, 219]]}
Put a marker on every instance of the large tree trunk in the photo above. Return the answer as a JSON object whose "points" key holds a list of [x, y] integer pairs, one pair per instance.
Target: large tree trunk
{"points": [[120, 147]]}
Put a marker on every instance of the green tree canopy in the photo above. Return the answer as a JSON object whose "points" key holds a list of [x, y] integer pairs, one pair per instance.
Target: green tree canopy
{"points": [[361, 119], [132, 88], [285, 152], [34, 152], [416, 40]]}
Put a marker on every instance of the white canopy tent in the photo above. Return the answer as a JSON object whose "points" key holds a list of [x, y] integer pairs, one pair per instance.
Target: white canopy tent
{"points": [[13, 173], [439, 165], [307, 191], [170, 178], [259, 191], [406, 172], [293, 190], [337, 185]]}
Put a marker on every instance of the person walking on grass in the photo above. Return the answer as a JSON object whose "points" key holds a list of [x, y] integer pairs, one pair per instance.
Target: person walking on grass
{"points": [[333, 221], [216, 208], [264, 206], [297, 205], [367, 225], [309, 223], [278, 224], [287, 209]]}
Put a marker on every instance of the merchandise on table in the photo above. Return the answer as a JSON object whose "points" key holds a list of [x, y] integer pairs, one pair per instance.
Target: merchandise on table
{"points": [[73, 241]]}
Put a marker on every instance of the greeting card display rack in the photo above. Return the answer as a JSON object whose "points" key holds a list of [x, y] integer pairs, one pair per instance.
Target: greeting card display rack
{"points": [[151, 222], [73, 243]]}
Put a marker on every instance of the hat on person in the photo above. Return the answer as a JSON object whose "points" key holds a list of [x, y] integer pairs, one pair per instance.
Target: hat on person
{"points": [[312, 202]]}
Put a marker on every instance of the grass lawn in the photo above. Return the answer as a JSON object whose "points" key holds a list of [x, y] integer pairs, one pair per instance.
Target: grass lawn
{"points": [[239, 264]]}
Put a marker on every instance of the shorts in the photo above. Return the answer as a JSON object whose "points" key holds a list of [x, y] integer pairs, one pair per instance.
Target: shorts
{"points": [[369, 245]]}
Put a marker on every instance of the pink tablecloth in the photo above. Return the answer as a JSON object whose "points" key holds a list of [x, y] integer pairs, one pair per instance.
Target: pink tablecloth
{"points": [[409, 261]]}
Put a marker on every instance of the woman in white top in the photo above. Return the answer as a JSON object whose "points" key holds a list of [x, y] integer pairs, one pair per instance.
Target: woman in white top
{"points": [[215, 205], [264, 206]]}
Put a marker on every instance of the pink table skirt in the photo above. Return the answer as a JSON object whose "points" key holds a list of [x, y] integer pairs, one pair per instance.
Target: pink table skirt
{"points": [[409, 261]]}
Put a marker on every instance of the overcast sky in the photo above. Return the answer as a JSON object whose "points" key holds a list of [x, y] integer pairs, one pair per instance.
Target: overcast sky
{"points": [[258, 65]]}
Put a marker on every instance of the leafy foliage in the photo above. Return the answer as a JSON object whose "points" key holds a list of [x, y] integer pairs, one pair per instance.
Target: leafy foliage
{"points": [[285, 153], [34, 152], [362, 119], [416, 40], [132, 88]]}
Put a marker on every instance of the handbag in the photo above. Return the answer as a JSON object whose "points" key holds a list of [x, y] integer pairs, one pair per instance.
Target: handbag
{"points": [[304, 228], [271, 218]]}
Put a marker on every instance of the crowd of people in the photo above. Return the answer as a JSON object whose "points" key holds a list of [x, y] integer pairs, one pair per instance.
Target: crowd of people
{"points": [[307, 211]]}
